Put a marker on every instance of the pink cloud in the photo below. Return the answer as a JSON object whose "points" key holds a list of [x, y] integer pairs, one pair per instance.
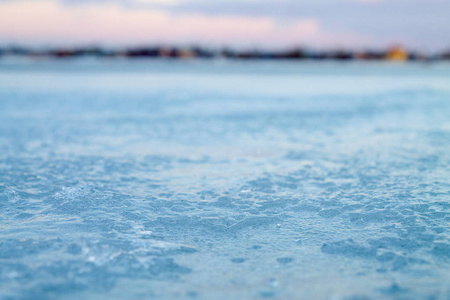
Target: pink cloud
{"points": [[50, 22]]}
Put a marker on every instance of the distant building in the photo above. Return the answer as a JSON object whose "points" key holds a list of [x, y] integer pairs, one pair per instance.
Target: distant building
{"points": [[397, 54], [185, 53], [166, 52]]}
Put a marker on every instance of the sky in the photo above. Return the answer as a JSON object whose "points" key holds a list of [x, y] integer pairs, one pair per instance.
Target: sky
{"points": [[422, 25]]}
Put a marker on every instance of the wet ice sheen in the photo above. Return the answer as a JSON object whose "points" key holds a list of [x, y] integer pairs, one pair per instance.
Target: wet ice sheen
{"points": [[199, 180]]}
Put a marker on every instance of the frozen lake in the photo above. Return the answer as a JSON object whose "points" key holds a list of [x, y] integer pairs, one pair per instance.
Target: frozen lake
{"points": [[224, 180]]}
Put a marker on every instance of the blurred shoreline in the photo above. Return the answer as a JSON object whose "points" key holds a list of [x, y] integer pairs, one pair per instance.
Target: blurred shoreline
{"points": [[391, 54]]}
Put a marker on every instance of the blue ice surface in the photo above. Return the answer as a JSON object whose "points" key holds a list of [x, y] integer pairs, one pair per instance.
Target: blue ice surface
{"points": [[224, 180]]}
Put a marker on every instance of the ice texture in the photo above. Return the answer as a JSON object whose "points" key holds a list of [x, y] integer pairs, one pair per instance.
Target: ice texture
{"points": [[224, 180]]}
